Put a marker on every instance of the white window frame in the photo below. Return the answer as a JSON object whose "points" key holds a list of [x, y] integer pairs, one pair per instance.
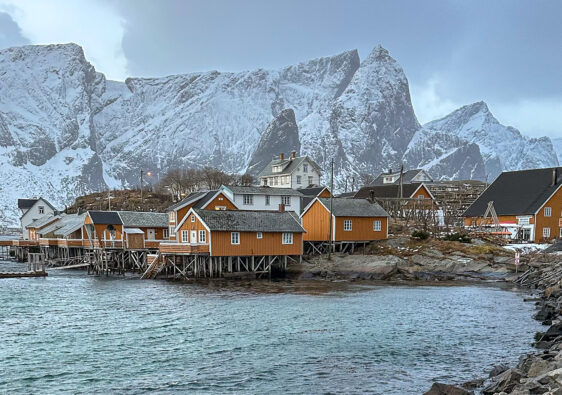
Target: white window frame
{"points": [[299, 180], [546, 233], [347, 225], [185, 236], [247, 199], [41, 209], [377, 225], [305, 167], [202, 236], [287, 238], [192, 218], [171, 231], [165, 233], [286, 200], [259, 235], [172, 216], [235, 238], [310, 180], [548, 211], [524, 221]]}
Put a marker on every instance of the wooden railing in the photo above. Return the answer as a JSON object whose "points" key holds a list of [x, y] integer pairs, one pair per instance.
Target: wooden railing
{"points": [[183, 248]]}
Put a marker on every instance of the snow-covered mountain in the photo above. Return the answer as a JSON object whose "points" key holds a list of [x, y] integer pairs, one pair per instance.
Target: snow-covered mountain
{"points": [[557, 144], [65, 130], [502, 147]]}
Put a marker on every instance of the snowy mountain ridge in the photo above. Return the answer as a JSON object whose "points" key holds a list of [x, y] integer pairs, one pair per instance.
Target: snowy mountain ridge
{"points": [[65, 130]]}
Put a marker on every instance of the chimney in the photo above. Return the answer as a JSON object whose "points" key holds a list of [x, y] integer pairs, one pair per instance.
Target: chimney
{"points": [[389, 171], [281, 156], [281, 208], [293, 154], [372, 196]]}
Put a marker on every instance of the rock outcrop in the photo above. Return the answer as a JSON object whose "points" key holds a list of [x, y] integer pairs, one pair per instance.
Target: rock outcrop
{"points": [[280, 136]]}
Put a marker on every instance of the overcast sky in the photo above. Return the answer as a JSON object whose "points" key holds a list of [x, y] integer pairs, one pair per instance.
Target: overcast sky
{"points": [[507, 53]]}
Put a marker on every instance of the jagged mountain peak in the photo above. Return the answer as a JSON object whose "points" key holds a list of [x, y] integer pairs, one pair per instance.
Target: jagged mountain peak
{"points": [[280, 136]]}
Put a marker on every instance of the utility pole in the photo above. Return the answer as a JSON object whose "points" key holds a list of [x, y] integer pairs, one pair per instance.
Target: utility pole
{"points": [[109, 199], [401, 182], [330, 242], [142, 200]]}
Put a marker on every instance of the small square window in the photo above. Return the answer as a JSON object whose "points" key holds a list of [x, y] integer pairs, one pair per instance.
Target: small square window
{"points": [[235, 238], [41, 210], [548, 211], [248, 200], [546, 233], [287, 238], [259, 235], [377, 226], [286, 200], [347, 225]]}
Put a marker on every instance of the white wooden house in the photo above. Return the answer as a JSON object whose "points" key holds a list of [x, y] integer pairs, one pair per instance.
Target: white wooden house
{"points": [[33, 209], [292, 172]]}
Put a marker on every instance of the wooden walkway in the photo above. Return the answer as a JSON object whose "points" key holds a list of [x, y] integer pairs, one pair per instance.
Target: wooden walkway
{"points": [[22, 274], [35, 268]]}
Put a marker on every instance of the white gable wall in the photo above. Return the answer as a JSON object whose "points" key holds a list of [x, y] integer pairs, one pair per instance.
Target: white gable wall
{"points": [[260, 200], [35, 213]]}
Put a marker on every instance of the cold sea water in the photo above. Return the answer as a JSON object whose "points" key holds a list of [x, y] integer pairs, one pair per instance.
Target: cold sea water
{"points": [[74, 333]]}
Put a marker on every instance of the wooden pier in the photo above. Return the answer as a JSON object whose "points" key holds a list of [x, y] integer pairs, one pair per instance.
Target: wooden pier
{"points": [[35, 268]]}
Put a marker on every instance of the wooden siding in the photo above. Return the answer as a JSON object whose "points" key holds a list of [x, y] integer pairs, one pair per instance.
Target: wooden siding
{"points": [[422, 191], [552, 222], [316, 222], [270, 244], [192, 226], [361, 229], [325, 194], [220, 201], [178, 248]]}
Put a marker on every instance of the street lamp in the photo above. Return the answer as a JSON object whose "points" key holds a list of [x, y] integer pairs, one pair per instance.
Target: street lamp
{"points": [[149, 174]]}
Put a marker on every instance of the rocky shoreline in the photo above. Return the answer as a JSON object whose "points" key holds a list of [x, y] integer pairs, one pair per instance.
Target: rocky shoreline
{"points": [[539, 372]]}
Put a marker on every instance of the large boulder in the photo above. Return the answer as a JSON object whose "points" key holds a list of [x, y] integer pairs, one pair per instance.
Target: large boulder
{"points": [[446, 389], [504, 382]]}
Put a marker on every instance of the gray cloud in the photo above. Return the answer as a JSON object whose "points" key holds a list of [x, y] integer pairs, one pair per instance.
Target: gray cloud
{"points": [[10, 32]]}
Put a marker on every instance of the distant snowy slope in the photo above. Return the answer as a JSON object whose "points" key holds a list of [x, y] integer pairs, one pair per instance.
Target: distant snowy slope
{"points": [[502, 147]]}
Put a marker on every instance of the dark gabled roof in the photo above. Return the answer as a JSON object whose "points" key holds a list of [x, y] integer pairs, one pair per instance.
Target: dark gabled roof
{"points": [[306, 201], [25, 204], [387, 191], [192, 197], [311, 191], [140, 219], [250, 221], [347, 195], [250, 190], [206, 198], [342, 207], [289, 165], [520, 192], [105, 217], [408, 177]]}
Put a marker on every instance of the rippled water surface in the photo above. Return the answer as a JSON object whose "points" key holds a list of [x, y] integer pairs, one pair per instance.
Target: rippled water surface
{"points": [[72, 332]]}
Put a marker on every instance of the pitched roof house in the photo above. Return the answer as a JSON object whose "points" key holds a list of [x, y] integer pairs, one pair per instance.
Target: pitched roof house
{"points": [[237, 233], [528, 203], [353, 220], [33, 209], [263, 198], [292, 172], [409, 176], [409, 191], [208, 200]]}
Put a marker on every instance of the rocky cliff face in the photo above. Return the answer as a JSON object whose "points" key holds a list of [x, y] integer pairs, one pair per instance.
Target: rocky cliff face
{"points": [[65, 130], [281, 135], [502, 147]]}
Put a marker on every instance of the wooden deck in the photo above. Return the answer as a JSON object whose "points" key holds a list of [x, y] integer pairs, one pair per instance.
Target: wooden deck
{"points": [[22, 274], [25, 243], [183, 249]]}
